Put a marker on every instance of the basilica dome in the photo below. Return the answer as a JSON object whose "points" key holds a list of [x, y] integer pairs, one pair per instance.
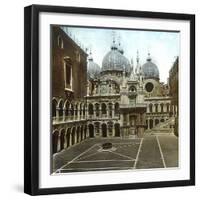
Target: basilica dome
{"points": [[150, 70], [115, 60], [93, 69]]}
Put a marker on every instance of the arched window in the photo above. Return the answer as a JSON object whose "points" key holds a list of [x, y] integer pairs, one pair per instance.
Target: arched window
{"points": [[97, 109], [116, 108], [103, 108], [110, 109], [90, 109]]}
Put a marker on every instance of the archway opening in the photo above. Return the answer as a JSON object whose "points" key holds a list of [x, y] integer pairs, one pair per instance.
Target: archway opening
{"points": [[55, 142], [103, 108], [73, 136], [117, 130], [90, 109], [151, 123], [104, 130], [116, 108], [62, 139], [156, 121], [91, 130]]}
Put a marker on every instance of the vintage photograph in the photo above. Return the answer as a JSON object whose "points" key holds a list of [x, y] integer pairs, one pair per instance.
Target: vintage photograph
{"points": [[114, 99]]}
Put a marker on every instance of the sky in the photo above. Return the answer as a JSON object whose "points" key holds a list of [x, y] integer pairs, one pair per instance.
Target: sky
{"points": [[162, 46]]}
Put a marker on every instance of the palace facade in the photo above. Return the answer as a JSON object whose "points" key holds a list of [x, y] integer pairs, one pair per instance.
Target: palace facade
{"points": [[117, 99]]}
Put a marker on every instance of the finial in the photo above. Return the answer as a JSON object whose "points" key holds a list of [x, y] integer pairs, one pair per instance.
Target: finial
{"points": [[90, 55], [149, 56]]}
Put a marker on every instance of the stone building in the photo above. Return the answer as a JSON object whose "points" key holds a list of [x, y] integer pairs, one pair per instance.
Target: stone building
{"points": [[173, 83], [117, 100], [69, 69]]}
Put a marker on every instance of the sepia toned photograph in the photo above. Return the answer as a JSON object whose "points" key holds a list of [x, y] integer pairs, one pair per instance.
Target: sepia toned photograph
{"points": [[114, 99]]}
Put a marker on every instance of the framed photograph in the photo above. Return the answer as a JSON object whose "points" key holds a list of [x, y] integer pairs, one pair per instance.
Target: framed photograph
{"points": [[109, 100]]}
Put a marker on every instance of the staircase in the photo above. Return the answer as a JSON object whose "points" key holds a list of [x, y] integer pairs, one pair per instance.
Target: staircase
{"points": [[163, 128]]}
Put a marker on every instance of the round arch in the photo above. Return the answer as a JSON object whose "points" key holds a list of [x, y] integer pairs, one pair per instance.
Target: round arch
{"points": [[90, 109], [91, 130], [104, 130], [103, 108]]}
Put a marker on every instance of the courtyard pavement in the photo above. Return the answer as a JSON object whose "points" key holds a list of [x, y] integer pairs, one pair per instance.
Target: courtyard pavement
{"points": [[142, 153]]}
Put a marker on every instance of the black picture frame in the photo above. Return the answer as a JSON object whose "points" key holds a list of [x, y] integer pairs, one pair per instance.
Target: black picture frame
{"points": [[31, 98]]}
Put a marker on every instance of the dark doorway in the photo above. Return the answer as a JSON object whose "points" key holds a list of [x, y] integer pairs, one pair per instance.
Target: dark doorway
{"points": [[104, 130], [91, 131], [117, 130], [55, 142]]}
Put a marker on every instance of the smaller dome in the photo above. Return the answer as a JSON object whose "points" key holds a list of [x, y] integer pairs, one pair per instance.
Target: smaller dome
{"points": [[93, 69], [150, 70]]}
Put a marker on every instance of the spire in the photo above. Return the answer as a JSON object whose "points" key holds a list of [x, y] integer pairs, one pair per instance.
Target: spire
{"points": [[138, 59], [132, 76], [137, 70], [90, 58], [113, 46]]}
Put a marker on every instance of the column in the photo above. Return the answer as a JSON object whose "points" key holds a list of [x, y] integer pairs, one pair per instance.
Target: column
{"points": [[64, 109], [57, 114]]}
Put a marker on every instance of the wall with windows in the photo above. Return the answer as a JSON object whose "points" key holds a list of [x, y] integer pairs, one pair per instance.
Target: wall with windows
{"points": [[69, 66]]}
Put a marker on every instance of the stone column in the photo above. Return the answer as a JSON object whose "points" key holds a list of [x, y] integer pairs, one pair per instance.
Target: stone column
{"points": [[159, 108], [153, 108], [70, 140], [113, 130]]}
